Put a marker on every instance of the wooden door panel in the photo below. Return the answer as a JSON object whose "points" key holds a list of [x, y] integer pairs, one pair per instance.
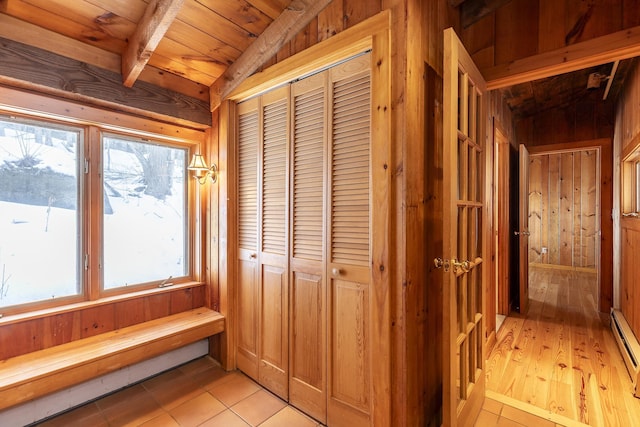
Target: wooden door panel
{"points": [[348, 245], [308, 344], [273, 367], [248, 326], [464, 237], [308, 300]]}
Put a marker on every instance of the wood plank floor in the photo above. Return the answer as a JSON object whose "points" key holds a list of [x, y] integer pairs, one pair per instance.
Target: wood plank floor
{"points": [[561, 357]]}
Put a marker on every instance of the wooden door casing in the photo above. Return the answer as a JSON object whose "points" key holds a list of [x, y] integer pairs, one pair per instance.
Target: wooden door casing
{"points": [[523, 228]]}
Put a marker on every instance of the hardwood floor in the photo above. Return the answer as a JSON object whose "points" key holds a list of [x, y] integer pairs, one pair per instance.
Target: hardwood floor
{"points": [[561, 357]]}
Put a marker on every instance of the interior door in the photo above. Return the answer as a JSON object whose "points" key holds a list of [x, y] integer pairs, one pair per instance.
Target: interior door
{"points": [[465, 237], [523, 223]]}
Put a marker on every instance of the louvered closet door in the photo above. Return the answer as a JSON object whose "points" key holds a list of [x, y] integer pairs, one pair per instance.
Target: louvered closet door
{"points": [[273, 371], [307, 384], [348, 245], [247, 308]]}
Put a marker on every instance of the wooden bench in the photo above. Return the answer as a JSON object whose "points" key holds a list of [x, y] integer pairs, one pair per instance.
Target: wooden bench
{"points": [[29, 376]]}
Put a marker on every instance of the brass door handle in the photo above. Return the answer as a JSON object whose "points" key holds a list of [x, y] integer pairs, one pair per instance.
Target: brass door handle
{"points": [[441, 263], [463, 265]]}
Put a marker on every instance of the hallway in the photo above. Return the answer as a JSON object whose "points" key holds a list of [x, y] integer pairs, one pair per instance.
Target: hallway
{"points": [[561, 357]]}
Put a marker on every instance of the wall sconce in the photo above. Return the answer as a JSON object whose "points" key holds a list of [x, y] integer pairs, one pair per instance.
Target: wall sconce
{"points": [[202, 171]]}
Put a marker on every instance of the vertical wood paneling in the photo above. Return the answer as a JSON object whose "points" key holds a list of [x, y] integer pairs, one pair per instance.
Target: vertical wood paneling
{"points": [[554, 210], [331, 20], [47, 331], [563, 211], [535, 209], [544, 206], [97, 320], [518, 26]]}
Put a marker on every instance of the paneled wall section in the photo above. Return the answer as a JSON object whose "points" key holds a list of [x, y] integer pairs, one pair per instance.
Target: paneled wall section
{"points": [[563, 210]]}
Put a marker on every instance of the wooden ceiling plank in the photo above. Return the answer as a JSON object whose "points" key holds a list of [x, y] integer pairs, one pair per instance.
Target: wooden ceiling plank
{"points": [[620, 45], [157, 18], [292, 20], [240, 13], [271, 8], [60, 24]]}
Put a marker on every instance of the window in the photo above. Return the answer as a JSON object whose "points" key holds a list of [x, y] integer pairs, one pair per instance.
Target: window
{"points": [[39, 215], [144, 212], [73, 229], [631, 183]]}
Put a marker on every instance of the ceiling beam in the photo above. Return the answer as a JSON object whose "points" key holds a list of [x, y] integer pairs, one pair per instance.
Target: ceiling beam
{"points": [[600, 50], [293, 19], [155, 22]]}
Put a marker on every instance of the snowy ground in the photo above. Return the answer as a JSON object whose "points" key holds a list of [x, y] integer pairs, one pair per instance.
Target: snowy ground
{"points": [[144, 238]]}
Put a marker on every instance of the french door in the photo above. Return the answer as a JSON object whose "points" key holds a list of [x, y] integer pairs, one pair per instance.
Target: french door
{"points": [[464, 235]]}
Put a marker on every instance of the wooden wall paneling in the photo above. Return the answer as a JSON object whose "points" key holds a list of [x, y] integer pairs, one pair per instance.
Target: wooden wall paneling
{"points": [[535, 209], [60, 329], [479, 41], [554, 210], [604, 226], [517, 31], [576, 232], [331, 20], [429, 324], [630, 296], [415, 176], [589, 208], [181, 300], [156, 306], [356, 11], [129, 312], [198, 298], [551, 25], [544, 207], [97, 320], [585, 21], [630, 14], [565, 210]]}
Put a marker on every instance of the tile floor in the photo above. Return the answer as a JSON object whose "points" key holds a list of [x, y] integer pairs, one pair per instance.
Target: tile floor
{"points": [[200, 393]]}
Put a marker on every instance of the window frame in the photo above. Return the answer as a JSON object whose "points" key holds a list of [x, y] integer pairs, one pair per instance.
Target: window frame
{"points": [[94, 123], [630, 181]]}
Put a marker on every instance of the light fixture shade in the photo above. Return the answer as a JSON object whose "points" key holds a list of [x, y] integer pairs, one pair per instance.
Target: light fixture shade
{"points": [[198, 163]]}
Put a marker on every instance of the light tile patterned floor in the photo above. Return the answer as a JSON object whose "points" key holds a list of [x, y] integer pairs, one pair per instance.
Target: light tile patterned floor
{"points": [[200, 393]]}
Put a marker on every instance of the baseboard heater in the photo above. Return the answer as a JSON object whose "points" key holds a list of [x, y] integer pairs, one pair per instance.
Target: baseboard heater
{"points": [[629, 347]]}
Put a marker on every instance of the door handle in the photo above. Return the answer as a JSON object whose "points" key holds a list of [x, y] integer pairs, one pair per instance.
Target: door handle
{"points": [[463, 265], [441, 263]]}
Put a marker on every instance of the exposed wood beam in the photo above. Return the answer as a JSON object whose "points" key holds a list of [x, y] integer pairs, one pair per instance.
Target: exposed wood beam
{"points": [[292, 20], [35, 69], [601, 50], [23, 32], [155, 22]]}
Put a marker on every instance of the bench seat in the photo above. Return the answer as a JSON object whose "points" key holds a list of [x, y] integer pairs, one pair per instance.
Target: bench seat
{"points": [[32, 375]]}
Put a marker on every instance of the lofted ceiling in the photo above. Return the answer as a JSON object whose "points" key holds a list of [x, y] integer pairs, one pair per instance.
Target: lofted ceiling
{"points": [[203, 48], [203, 39], [563, 90]]}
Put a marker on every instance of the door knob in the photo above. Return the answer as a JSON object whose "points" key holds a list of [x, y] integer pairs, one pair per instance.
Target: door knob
{"points": [[336, 271], [463, 265], [440, 263]]}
